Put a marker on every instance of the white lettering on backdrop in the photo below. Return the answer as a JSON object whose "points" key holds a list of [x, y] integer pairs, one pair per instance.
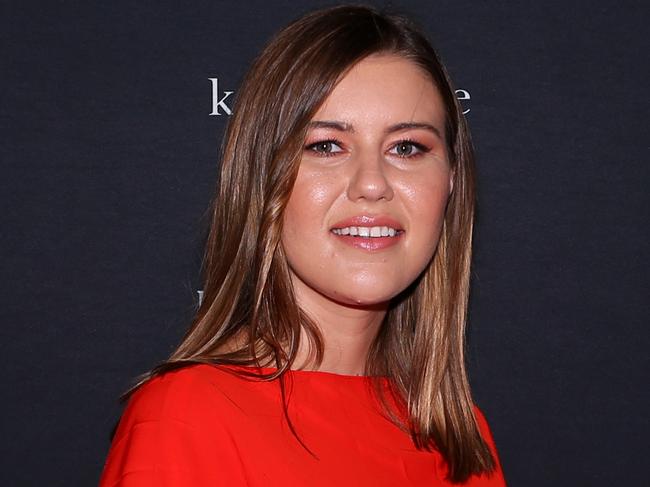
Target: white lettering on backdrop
{"points": [[219, 99]]}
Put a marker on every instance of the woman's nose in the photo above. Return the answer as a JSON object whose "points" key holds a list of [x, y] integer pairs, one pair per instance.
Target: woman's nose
{"points": [[369, 179]]}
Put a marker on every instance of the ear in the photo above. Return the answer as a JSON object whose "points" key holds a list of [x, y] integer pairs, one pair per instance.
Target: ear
{"points": [[452, 174]]}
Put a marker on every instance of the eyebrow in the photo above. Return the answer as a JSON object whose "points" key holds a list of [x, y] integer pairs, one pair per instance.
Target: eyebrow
{"points": [[346, 127]]}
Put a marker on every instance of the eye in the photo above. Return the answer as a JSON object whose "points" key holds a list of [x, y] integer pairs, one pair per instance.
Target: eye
{"points": [[408, 148], [325, 148]]}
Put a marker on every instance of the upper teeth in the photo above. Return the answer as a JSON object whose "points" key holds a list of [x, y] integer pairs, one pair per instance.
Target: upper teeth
{"points": [[366, 231]]}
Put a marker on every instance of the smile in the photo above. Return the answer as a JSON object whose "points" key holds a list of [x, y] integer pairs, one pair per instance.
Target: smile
{"points": [[367, 232], [368, 239]]}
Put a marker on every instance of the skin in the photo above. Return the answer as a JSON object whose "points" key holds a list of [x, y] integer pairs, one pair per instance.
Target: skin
{"points": [[369, 171]]}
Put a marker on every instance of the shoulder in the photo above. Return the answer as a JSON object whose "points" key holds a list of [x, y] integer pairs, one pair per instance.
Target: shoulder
{"points": [[189, 395], [180, 385], [172, 429]]}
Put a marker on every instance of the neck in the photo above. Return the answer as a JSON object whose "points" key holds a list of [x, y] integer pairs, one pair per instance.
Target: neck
{"points": [[347, 330]]}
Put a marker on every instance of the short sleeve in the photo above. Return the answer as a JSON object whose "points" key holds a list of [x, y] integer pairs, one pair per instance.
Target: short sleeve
{"points": [[170, 434]]}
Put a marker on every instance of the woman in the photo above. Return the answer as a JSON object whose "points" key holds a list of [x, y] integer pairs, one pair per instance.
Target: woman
{"points": [[328, 348]]}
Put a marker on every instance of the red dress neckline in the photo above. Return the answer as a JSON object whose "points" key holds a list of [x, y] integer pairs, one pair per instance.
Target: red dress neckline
{"points": [[306, 374]]}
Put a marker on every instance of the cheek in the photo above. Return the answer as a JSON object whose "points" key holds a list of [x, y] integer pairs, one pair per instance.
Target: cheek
{"points": [[305, 216], [309, 198], [308, 251], [426, 199]]}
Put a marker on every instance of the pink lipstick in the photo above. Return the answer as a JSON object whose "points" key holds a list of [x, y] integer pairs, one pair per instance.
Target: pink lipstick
{"points": [[371, 233]]}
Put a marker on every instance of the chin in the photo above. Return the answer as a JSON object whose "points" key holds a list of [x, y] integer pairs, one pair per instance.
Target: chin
{"points": [[364, 297]]}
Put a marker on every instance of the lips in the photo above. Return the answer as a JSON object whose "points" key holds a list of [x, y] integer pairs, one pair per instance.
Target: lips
{"points": [[369, 221], [368, 233]]}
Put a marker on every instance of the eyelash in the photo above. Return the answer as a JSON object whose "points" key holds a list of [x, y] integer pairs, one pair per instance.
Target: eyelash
{"points": [[423, 149]]}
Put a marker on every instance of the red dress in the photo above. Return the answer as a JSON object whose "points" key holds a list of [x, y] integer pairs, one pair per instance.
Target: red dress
{"points": [[202, 426]]}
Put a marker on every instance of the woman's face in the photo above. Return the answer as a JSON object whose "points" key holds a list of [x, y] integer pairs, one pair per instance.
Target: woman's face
{"points": [[366, 211]]}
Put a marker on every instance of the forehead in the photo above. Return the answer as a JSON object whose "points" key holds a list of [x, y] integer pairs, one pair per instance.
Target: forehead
{"points": [[384, 89]]}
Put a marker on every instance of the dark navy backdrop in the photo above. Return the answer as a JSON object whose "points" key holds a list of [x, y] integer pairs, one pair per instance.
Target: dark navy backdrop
{"points": [[109, 159]]}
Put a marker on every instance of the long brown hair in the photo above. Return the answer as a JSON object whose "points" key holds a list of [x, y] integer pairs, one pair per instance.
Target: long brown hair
{"points": [[249, 314]]}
